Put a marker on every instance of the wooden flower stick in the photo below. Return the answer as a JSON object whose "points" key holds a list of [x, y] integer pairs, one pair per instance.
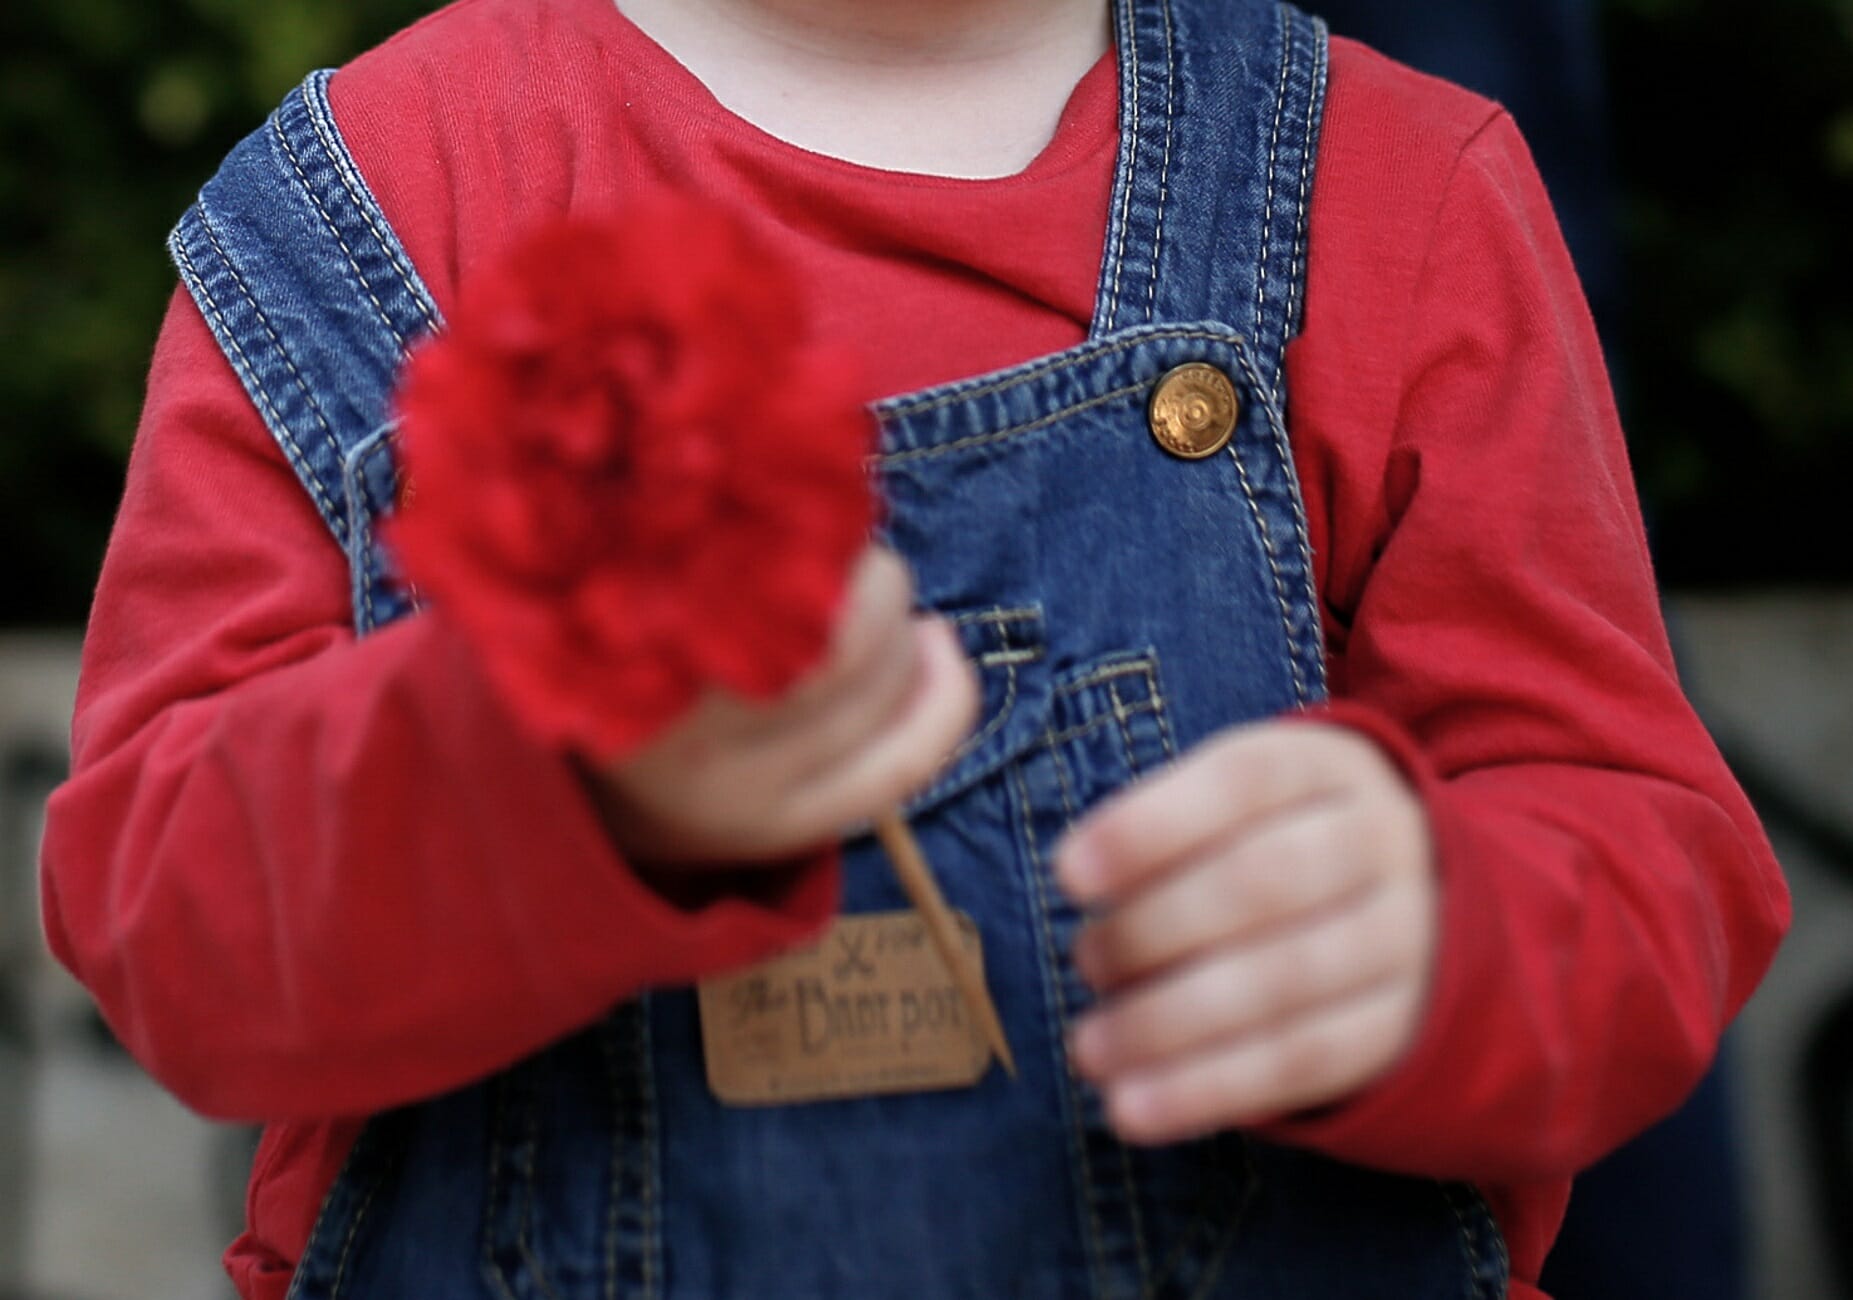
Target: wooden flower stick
{"points": [[910, 867]]}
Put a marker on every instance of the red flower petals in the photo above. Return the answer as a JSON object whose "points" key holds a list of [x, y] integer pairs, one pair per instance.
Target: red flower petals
{"points": [[635, 477]]}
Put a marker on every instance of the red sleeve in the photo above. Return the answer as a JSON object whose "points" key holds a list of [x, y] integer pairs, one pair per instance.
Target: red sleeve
{"points": [[306, 876], [1608, 899]]}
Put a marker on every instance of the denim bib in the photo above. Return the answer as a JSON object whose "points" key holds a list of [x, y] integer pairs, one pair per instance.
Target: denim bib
{"points": [[1121, 605]]}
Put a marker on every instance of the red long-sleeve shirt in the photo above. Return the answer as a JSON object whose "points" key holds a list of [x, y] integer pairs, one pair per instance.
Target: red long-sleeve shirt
{"points": [[308, 877]]}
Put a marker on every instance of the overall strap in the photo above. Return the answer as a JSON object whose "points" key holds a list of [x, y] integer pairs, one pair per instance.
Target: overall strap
{"points": [[314, 301], [1220, 105]]}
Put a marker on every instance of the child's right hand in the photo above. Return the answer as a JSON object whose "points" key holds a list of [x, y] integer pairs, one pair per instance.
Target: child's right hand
{"points": [[736, 782]]}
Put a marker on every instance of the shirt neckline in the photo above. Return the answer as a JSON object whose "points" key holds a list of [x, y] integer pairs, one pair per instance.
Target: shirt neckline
{"points": [[1081, 132]]}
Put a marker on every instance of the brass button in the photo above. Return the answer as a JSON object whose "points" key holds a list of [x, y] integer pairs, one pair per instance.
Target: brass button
{"points": [[1193, 411]]}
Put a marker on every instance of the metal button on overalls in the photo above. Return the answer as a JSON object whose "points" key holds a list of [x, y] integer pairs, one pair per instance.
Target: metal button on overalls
{"points": [[1193, 411]]}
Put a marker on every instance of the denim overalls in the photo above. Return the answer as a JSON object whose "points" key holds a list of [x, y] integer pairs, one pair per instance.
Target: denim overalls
{"points": [[1121, 605]]}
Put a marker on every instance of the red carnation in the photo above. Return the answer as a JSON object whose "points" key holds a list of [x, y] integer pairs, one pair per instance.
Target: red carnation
{"points": [[636, 478]]}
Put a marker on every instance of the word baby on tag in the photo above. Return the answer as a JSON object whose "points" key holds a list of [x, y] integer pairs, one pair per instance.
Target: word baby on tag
{"points": [[871, 1008]]}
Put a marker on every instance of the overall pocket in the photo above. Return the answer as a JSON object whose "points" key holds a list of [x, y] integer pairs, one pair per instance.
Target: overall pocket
{"points": [[1156, 1223], [1009, 651]]}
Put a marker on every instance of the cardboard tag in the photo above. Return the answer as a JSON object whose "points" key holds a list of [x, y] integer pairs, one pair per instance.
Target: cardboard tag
{"points": [[869, 1009]]}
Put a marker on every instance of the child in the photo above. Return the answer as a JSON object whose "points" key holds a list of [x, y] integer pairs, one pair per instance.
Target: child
{"points": [[1324, 1006]]}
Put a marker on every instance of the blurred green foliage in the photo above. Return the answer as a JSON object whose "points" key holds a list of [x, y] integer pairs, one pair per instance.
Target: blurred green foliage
{"points": [[1734, 134], [111, 114]]}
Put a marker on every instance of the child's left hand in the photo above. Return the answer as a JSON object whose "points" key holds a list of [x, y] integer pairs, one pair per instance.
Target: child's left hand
{"points": [[1266, 929]]}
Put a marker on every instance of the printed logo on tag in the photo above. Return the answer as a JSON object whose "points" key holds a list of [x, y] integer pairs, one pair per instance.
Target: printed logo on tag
{"points": [[868, 1009]]}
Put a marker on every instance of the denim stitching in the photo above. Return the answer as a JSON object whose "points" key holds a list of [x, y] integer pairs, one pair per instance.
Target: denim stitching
{"points": [[977, 738], [652, 1186], [1158, 706], [1319, 58], [1064, 784], [360, 561], [1131, 29], [289, 151], [402, 492], [1052, 741], [1092, 725], [1140, 1251], [348, 1166], [1185, 1245], [321, 120], [347, 1246], [289, 362], [608, 1053], [1267, 214], [1001, 621], [1089, 351], [492, 1196], [1121, 716], [1186, 1240], [1028, 426], [362, 582], [1299, 240], [1454, 1194], [374, 576], [1008, 658], [1111, 672], [1054, 1001], [1305, 545], [1212, 1268], [1503, 1255], [1142, 1261], [287, 435], [1021, 614], [1309, 590], [1202, 1224], [1164, 167], [371, 577], [1280, 586], [1466, 1235], [531, 1140]]}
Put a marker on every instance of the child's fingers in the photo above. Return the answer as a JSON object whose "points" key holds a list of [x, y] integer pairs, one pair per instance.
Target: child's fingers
{"points": [[1311, 1061], [1208, 795], [880, 597], [864, 705], [877, 606], [707, 793], [903, 756], [1299, 861], [1251, 989]]}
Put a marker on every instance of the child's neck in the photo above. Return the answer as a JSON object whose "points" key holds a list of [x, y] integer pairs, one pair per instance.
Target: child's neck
{"points": [[950, 87]]}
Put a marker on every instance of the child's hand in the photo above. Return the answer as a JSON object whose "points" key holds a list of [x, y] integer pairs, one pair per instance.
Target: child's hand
{"points": [[1267, 928], [738, 782]]}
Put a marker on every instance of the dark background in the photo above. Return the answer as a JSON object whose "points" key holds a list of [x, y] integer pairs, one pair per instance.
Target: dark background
{"points": [[1733, 147]]}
